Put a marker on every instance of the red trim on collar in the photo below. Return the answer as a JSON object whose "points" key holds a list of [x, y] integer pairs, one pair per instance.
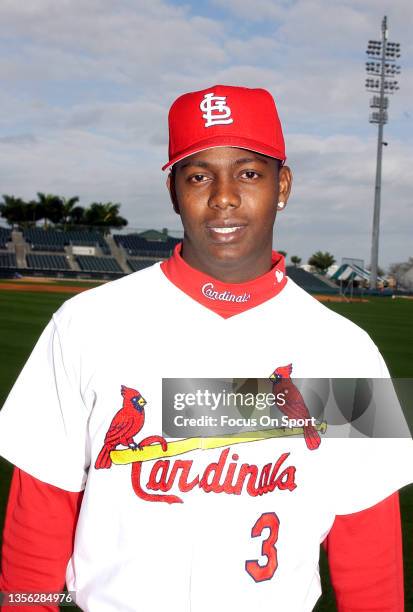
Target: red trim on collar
{"points": [[225, 299]]}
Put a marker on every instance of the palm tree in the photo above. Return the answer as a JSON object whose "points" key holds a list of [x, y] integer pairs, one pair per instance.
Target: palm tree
{"points": [[295, 260], [104, 215], [13, 209], [34, 212], [68, 205], [51, 207], [282, 253], [77, 215], [321, 261]]}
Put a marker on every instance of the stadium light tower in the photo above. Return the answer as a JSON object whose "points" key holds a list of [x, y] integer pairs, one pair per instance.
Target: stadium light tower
{"points": [[381, 69]]}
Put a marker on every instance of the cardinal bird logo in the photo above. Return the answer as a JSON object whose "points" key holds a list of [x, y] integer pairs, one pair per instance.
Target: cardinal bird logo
{"points": [[294, 407], [126, 423]]}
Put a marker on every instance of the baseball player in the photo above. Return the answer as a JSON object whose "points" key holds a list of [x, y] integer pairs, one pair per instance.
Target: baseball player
{"points": [[132, 519]]}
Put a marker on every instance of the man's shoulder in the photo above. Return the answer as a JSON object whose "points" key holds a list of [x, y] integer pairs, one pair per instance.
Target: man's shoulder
{"points": [[328, 341], [112, 297]]}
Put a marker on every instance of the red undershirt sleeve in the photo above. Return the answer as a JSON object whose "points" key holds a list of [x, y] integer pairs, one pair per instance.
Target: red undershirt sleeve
{"points": [[365, 557], [38, 538]]}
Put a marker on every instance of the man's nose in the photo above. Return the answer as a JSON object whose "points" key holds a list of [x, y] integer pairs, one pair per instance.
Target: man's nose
{"points": [[224, 194]]}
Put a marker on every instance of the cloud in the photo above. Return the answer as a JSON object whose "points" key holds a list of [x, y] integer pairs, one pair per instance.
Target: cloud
{"points": [[261, 10], [107, 41], [20, 139]]}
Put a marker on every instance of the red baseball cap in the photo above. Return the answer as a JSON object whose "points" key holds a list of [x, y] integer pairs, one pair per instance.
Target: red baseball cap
{"points": [[224, 116]]}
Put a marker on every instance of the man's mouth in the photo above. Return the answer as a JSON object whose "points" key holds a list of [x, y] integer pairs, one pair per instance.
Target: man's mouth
{"points": [[226, 234], [226, 230]]}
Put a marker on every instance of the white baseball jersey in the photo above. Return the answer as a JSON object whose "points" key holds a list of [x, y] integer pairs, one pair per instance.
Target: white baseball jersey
{"points": [[202, 527]]}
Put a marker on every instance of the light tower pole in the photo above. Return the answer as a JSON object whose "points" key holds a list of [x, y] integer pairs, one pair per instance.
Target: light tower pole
{"points": [[380, 68]]}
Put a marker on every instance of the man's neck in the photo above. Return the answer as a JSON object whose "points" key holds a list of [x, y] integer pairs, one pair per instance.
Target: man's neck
{"points": [[229, 271], [222, 297]]}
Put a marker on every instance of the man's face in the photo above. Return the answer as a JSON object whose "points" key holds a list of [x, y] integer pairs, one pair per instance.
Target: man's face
{"points": [[227, 199]]}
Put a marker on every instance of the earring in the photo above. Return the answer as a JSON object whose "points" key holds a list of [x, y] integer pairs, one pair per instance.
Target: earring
{"points": [[280, 205]]}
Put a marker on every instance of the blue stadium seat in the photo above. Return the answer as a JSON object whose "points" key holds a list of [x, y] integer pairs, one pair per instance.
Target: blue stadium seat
{"points": [[47, 262], [136, 245], [308, 281], [89, 263], [87, 238], [140, 264], [5, 236], [56, 240], [8, 260], [44, 240]]}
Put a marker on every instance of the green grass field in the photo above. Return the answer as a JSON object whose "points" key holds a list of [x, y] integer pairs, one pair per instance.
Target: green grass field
{"points": [[389, 322]]}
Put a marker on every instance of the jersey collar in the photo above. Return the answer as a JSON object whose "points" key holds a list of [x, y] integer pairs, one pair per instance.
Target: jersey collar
{"points": [[225, 299]]}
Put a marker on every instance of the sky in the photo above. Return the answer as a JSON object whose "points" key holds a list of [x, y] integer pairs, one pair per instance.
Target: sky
{"points": [[85, 89]]}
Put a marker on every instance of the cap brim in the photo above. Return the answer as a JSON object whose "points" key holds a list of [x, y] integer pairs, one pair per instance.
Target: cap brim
{"points": [[227, 141]]}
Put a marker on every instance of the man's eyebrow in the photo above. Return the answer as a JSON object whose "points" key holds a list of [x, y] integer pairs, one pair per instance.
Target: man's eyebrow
{"points": [[247, 160], [201, 164], [238, 162]]}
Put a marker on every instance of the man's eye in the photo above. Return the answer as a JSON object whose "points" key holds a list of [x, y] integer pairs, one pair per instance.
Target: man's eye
{"points": [[198, 178], [250, 174]]}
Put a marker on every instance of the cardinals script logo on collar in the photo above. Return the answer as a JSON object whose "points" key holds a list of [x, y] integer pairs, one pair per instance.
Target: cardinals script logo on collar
{"points": [[215, 110], [208, 290]]}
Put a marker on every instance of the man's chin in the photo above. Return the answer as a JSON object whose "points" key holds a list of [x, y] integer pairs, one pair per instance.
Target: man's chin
{"points": [[230, 254]]}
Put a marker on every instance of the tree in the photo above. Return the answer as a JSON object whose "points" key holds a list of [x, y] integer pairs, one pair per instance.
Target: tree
{"points": [[17, 211], [68, 206], [34, 212], [77, 215], [51, 207], [282, 253], [403, 273], [13, 209], [321, 261], [60, 211], [104, 215], [295, 260]]}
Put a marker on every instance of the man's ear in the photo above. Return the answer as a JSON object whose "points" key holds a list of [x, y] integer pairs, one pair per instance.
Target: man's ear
{"points": [[285, 180], [170, 183]]}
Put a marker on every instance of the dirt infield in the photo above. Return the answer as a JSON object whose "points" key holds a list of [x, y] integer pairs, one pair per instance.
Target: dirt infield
{"points": [[338, 298], [41, 287]]}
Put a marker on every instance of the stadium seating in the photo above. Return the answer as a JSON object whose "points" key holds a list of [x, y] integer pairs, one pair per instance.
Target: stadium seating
{"points": [[136, 245], [8, 260], [309, 282], [5, 236], [56, 240], [42, 240], [140, 264], [87, 238], [47, 262], [89, 263]]}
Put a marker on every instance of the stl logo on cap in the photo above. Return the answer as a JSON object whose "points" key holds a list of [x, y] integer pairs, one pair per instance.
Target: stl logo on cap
{"points": [[215, 110]]}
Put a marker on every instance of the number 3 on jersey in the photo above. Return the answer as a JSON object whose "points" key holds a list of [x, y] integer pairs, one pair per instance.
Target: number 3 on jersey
{"points": [[259, 572]]}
